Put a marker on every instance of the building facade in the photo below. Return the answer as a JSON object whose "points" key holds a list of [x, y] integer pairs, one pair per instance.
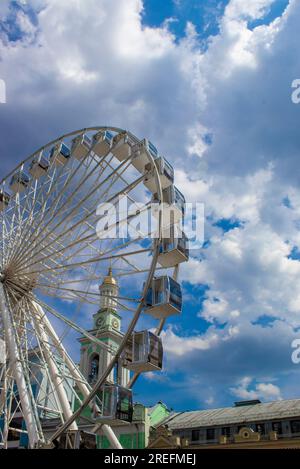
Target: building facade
{"points": [[249, 424]]}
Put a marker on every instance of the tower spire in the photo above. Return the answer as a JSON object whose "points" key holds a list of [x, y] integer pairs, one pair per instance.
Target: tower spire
{"points": [[109, 290], [109, 279]]}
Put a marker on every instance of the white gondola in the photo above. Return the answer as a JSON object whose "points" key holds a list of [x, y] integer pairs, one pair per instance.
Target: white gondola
{"points": [[122, 147], [173, 207], [164, 298], [39, 166], [145, 352], [116, 403], [4, 200], [81, 146], [166, 175], [60, 154], [173, 250], [140, 157], [102, 143], [19, 182]]}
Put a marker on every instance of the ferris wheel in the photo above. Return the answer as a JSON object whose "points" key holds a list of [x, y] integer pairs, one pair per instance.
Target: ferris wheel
{"points": [[65, 229]]}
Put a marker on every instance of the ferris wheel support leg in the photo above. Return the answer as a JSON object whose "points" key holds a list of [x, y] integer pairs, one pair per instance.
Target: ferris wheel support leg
{"points": [[107, 430], [4, 407], [55, 374], [14, 357], [110, 435]]}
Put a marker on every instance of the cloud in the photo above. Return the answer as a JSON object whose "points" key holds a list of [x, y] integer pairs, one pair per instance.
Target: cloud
{"points": [[237, 9], [222, 113], [119, 72], [264, 391], [179, 346]]}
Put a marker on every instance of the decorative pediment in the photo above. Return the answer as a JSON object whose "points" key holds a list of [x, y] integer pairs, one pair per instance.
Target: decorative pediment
{"points": [[162, 438], [246, 434]]}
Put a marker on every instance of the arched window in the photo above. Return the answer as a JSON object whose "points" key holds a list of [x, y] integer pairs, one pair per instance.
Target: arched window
{"points": [[94, 368]]}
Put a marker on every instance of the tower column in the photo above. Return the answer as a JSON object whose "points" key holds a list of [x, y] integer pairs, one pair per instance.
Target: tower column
{"points": [[107, 327]]}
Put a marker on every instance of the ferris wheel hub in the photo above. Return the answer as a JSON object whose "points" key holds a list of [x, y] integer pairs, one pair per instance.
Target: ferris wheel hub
{"points": [[20, 283]]}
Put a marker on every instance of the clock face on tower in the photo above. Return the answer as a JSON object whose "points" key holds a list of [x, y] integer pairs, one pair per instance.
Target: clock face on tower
{"points": [[115, 324], [100, 322]]}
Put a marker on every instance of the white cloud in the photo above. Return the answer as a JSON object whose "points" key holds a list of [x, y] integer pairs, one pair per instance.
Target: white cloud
{"points": [[209, 401], [238, 9], [179, 346], [263, 391], [224, 117]]}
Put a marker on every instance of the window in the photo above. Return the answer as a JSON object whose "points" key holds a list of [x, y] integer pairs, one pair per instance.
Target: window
{"points": [[260, 428], [277, 427], [195, 435], [94, 369], [226, 431], [175, 294], [14, 434], [210, 434], [168, 170], [295, 426]]}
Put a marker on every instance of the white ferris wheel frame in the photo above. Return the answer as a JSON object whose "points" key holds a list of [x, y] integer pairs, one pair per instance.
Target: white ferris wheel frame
{"points": [[16, 368]]}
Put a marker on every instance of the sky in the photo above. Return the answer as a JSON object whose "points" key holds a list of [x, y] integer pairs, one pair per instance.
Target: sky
{"points": [[210, 83]]}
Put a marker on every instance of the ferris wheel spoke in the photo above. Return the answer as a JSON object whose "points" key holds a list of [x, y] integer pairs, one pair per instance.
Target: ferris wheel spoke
{"points": [[73, 210], [69, 298], [44, 347], [74, 236], [61, 377], [92, 261], [76, 197], [126, 182], [32, 188], [61, 211], [20, 370], [74, 326], [142, 271], [95, 186], [4, 238], [80, 241], [63, 247], [53, 186], [90, 212], [124, 307], [73, 369], [78, 223], [55, 374], [94, 294], [52, 180], [87, 285], [11, 234], [116, 357]]}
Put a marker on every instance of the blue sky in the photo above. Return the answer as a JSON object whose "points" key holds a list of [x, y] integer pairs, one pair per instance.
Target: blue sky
{"points": [[209, 82], [203, 14]]}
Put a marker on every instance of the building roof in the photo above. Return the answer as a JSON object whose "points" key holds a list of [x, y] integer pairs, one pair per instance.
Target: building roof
{"points": [[158, 413], [234, 415]]}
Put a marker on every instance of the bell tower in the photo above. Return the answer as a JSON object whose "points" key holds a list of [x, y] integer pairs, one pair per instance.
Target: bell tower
{"points": [[107, 317], [106, 328]]}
